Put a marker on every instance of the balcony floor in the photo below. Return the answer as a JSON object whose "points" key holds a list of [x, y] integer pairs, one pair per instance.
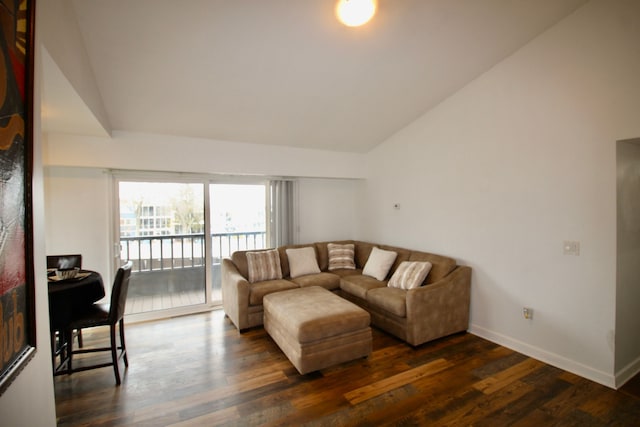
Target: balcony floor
{"points": [[171, 288], [143, 304]]}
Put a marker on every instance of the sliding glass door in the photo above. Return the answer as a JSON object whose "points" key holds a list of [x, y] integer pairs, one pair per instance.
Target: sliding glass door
{"points": [[162, 231], [238, 222], [176, 234]]}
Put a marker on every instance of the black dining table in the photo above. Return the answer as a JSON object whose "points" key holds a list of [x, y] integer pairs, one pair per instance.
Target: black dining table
{"points": [[71, 297]]}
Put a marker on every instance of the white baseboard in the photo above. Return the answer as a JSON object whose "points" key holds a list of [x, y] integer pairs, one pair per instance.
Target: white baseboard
{"points": [[550, 358], [628, 372]]}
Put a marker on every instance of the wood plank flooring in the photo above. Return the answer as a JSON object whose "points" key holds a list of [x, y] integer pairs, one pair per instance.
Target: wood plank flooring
{"points": [[199, 371]]}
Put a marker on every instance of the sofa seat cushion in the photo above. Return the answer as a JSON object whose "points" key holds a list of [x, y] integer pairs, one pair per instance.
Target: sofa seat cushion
{"points": [[359, 285], [393, 300], [260, 289], [325, 280]]}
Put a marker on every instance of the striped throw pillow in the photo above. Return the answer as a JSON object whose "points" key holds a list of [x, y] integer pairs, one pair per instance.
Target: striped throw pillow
{"points": [[341, 256], [410, 274], [264, 265]]}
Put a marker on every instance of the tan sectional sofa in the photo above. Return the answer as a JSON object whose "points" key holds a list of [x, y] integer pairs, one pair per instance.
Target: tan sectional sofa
{"points": [[439, 307]]}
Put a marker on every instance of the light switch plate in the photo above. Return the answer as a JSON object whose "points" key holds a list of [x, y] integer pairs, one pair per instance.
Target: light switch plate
{"points": [[571, 247]]}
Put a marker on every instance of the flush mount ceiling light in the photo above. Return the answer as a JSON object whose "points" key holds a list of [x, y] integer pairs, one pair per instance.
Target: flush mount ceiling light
{"points": [[354, 13]]}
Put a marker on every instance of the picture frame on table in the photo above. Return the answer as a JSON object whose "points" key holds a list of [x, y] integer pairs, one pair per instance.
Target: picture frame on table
{"points": [[17, 287]]}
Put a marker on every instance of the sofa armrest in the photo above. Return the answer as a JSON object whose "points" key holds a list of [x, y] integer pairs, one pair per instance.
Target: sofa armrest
{"points": [[235, 294], [439, 309]]}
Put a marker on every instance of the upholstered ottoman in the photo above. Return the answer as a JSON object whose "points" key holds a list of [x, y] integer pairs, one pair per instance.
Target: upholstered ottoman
{"points": [[315, 328]]}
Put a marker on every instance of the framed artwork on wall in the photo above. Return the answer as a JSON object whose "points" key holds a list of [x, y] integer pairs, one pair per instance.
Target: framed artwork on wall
{"points": [[17, 289]]}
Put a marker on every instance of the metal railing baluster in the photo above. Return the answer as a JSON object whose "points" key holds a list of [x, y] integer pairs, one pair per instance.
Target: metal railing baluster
{"points": [[227, 243]]}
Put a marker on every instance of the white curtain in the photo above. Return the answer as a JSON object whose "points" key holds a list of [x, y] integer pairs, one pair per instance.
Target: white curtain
{"points": [[281, 213]]}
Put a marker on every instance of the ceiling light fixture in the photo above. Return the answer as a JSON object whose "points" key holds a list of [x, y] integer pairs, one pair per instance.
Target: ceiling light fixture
{"points": [[354, 13]]}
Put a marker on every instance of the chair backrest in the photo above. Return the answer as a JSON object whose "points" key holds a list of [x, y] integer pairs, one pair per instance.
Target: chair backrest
{"points": [[64, 261], [119, 292]]}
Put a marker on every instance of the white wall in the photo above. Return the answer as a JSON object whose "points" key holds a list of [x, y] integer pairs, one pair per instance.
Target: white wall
{"points": [[515, 163], [58, 29], [139, 151], [627, 360], [327, 209], [77, 206]]}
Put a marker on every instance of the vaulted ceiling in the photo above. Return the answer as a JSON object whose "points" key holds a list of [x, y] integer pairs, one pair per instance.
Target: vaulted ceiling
{"points": [[287, 72]]}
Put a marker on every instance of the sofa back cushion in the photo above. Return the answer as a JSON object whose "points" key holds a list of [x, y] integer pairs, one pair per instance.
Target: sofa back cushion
{"points": [[403, 255], [441, 265], [363, 250]]}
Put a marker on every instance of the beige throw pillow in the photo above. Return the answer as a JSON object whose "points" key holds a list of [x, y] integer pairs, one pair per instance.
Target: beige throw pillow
{"points": [[302, 261], [379, 263], [264, 265], [341, 256], [410, 274]]}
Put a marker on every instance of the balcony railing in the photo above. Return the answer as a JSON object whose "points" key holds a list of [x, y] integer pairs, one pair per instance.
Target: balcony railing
{"points": [[177, 251]]}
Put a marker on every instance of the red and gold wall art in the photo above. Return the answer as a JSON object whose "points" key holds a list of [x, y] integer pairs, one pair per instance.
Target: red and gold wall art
{"points": [[17, 304]]}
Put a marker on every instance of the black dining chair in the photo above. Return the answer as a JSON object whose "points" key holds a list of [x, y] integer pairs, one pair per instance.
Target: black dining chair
{"points": [[105, 315]]}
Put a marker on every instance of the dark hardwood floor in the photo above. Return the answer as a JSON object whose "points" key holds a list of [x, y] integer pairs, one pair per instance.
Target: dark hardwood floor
{"points": [[199, 371]]}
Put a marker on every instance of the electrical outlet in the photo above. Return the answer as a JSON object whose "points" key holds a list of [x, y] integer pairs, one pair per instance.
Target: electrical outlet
{"points": [[527, 313]]}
